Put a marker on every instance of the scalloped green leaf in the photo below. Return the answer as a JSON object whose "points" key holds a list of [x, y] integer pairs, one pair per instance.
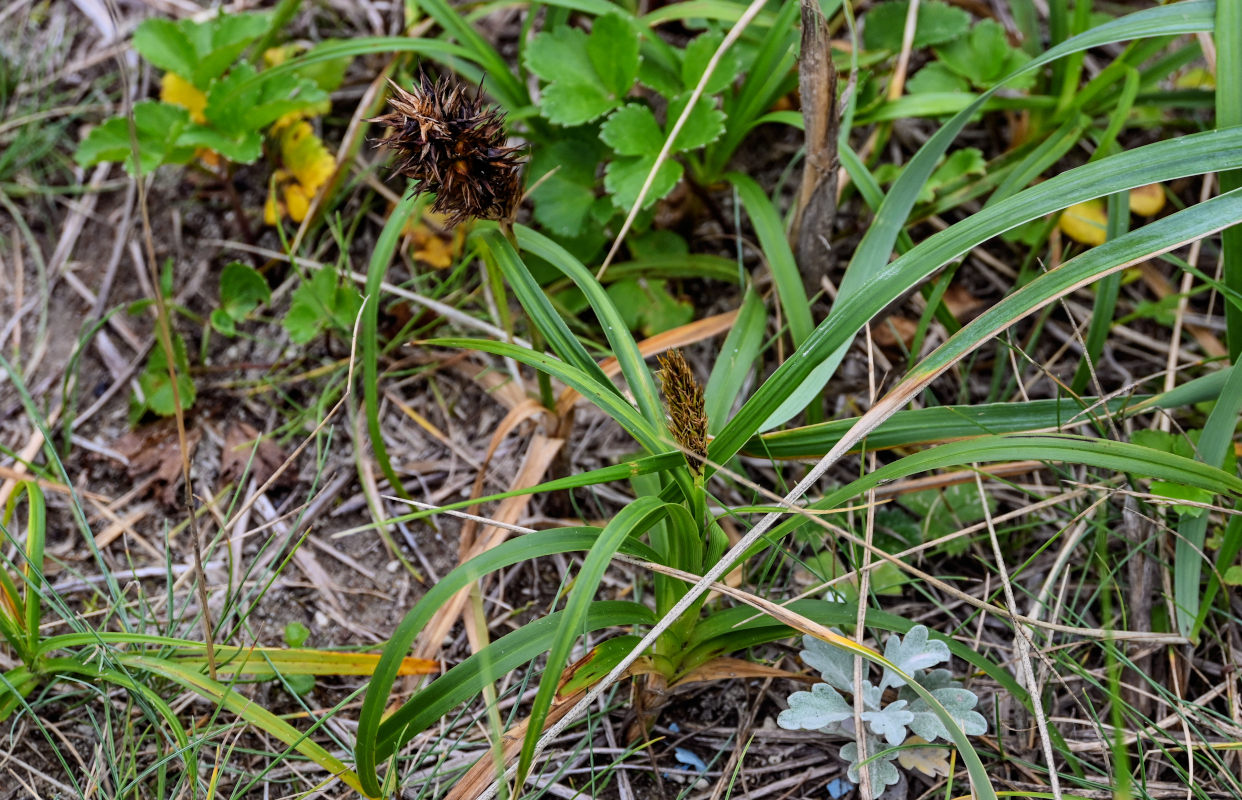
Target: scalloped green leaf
{"points": [[575, 93], [243, 147], [613, 50], [157, 127], [320, 302], [572, 103], [937, 22], [936, 78], [165, 44], [984, 56], [242, 290], [239, 104], [563, 174], [694, 62], [553, 55], [562, 205], [220, 41], [624, 179], [632, 130], [157, 387], [705, 124]]}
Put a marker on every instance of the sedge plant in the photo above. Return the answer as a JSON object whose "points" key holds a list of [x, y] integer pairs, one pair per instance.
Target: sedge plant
{"points": [[667, 524]]}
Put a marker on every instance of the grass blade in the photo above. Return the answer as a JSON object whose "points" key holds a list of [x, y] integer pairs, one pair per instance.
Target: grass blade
{"points": [[1191, 155], [466, 680], [250, 711], [647, 435], [1214, 444], [508, 553], [1229, 114], [868, 264], [381, 257], [737, 354], [541, 312], [780, 257], [624, 348], [631, 522]]}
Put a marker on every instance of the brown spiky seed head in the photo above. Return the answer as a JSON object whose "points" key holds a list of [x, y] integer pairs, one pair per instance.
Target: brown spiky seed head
{"points": [[684, 397], [453, 144]]}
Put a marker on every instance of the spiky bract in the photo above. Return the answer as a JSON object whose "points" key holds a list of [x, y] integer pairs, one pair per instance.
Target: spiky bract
{"points": [[453, 144]]}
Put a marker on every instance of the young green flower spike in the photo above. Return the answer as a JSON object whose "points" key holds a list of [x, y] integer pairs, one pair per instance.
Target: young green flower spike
{"points": [[453, 144]]}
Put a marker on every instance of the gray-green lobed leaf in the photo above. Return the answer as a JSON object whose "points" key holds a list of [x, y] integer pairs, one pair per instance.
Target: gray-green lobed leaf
{"points": [[890, 721], [916, 652], [882, 769], [815, 709], [833, 663], [959, 703]]}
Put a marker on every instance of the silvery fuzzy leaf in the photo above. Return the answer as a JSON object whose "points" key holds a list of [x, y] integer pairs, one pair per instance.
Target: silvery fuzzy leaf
{"points": [[883, 771], [891, 722], [916, 652], [896, 791], [835, 664], [931, 680], [959, 703], [873, 696], [815, 709]]}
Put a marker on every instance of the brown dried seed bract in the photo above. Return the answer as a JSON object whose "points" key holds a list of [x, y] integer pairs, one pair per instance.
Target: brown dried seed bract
{"points": [[453, 144]]}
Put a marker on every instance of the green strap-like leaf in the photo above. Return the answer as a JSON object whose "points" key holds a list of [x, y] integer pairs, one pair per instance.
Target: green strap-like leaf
{"points": [[381, 257], [540, 310], [1188, 555], [775, 246], [512, 551], [464, 681], [624, 348], [1190, 155], [871, 283], [629, 523], [610, 403], [249, 710]]}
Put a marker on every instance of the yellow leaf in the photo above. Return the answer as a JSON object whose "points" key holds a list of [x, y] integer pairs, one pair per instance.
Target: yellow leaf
{"points": [[1085, 222], [273, 209], [307, 166], [176, 90], [1147, 201], [931, 761], [304, 155], [275, 56], [1196, 78], [12, 608]]}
